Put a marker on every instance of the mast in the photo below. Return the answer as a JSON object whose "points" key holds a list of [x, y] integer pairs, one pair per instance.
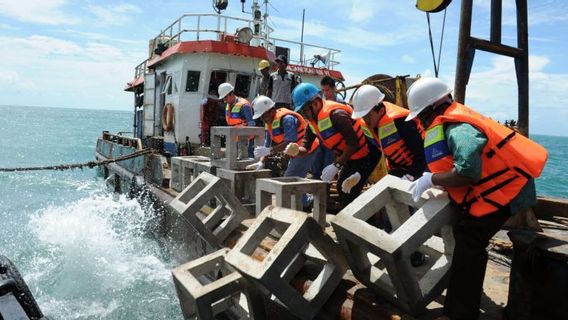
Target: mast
{"points": [[468, 44]]}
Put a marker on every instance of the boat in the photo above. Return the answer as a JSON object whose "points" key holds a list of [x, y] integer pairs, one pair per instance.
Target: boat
{"points": [[186, 63]]}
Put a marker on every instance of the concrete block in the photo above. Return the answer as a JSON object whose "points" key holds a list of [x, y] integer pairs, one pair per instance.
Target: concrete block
{"points": [[381, 260], [273, 273], [222, 220], [208, 286], [236, 144], [289, 191], [243, 184], [182, 172]]}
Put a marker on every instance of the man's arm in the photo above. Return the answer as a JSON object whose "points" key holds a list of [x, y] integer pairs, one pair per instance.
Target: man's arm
{"points": [[269, 90], [246, 113], [466, 144], [411, 136]]}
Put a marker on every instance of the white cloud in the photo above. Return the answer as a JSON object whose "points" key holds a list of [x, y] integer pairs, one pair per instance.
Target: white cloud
{"points": [[362, 10], [114, 15], [406, 58], [494, 91], [37, 11]]}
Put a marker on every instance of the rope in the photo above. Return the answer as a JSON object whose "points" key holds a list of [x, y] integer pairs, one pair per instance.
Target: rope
{"points": [[90, 164], [436, 64]]}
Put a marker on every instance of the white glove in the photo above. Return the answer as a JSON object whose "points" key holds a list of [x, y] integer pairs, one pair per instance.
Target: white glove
{"points": [[350, 182], [328, 173], [255, 166], [292, 149], [419, 186], [407, 177], [262, 151]]}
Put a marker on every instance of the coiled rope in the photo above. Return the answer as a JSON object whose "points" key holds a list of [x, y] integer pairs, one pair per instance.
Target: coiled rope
{"points": [[90, 164]]}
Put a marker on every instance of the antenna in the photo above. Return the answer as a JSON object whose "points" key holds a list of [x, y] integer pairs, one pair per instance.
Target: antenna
{"points": [[220, 5]]}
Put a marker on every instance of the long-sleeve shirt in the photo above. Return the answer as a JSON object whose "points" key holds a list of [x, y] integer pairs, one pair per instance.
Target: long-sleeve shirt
{"points": [[290, 125]]}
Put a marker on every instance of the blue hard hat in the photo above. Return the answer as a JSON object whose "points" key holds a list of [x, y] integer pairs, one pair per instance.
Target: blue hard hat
{"points": [[302, 93]]}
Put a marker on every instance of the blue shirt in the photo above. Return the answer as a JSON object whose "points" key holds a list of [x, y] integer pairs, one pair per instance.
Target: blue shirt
{"points": [[246, 113], [290, 125]]}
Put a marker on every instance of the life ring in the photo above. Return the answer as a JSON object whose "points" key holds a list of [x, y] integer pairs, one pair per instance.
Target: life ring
{"points": [[168, 117]]}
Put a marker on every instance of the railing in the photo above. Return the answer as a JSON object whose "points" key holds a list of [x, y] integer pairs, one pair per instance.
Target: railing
{"points": [[123, 140], [190, 27]]}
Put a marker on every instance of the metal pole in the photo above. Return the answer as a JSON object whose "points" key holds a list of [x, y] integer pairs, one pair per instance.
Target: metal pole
{"points": [[496, 13], [522, 66], [302, 39], [463, 59]]}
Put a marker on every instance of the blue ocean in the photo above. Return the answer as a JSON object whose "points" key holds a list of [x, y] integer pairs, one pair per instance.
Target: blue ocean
{"points": [[87, 253]]}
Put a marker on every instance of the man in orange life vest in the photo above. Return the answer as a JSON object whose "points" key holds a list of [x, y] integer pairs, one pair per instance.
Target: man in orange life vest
{"points": [[384, 123], [238, 111], [282, 127], [488, 171], [332, 124]]}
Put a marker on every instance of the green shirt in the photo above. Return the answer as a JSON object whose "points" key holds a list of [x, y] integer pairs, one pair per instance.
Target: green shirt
{"points": [[466, 144]]}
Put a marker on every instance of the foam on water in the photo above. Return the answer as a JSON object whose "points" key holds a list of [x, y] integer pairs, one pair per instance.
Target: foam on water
{"points": [[98, 261]]}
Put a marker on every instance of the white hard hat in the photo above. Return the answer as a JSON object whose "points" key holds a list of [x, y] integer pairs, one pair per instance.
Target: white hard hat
{"points": [[260, 105], [225, 89], [423, 93], [366, 97]]}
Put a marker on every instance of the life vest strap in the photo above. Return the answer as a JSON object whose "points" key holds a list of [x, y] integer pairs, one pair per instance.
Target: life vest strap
{"points": [[501, 143]]}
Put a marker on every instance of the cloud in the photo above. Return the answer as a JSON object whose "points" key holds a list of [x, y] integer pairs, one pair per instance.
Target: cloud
{"points": [[37, 11], [362, 10], [406, 58], [71, 74], [494, 91], [114, 15]]}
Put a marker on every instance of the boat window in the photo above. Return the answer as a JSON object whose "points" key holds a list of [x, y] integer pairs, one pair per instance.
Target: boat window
{"points": [[217, 77], [192, 84], [242, 85], [168, 86]]}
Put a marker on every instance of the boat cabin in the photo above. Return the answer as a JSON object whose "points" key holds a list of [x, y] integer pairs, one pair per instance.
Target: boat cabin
{"points": [[193, 56]]}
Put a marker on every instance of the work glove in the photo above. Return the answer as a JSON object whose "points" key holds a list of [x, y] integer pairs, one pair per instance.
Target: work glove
{"points": [[419, 186], [350, 182], [407, 177], [255, 166], [329, 172], [292, 149], [262, 151]]}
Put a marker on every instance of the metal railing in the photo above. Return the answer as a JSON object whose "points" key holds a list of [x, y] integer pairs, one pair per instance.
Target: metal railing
{"points": [[191, 27]]}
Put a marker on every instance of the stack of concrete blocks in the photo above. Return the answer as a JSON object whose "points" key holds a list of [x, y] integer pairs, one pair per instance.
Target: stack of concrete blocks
{"points": [[184, 170], [300, 241], [222, 220], [381, 260], [289, 192], [208, 286], [231, 166]]}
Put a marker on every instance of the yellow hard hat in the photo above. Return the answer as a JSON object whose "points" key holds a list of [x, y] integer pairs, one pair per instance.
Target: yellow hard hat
{"points": [[263, 64]]}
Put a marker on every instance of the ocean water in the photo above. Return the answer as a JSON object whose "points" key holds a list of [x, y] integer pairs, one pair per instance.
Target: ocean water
{"points": [[86, 253]]}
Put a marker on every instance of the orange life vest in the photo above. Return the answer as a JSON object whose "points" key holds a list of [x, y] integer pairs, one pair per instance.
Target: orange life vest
{"points": [[276, 131], [333, 139], [508, 161], [233, 113], [393, 146]]}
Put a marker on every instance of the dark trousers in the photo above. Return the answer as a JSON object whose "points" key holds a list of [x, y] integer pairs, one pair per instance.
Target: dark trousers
{"points": [[365, 167], [472, 237]]}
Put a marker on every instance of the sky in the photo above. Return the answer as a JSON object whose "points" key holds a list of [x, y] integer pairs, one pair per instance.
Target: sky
{"points": [[81, 53]]}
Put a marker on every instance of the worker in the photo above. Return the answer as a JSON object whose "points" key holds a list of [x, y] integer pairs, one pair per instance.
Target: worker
{"points": [[282, 127], [282, 83], [331, 123], [325, 156], [384, 123], [238, 111], [488, 171], [327, 84], [264, 81]]}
